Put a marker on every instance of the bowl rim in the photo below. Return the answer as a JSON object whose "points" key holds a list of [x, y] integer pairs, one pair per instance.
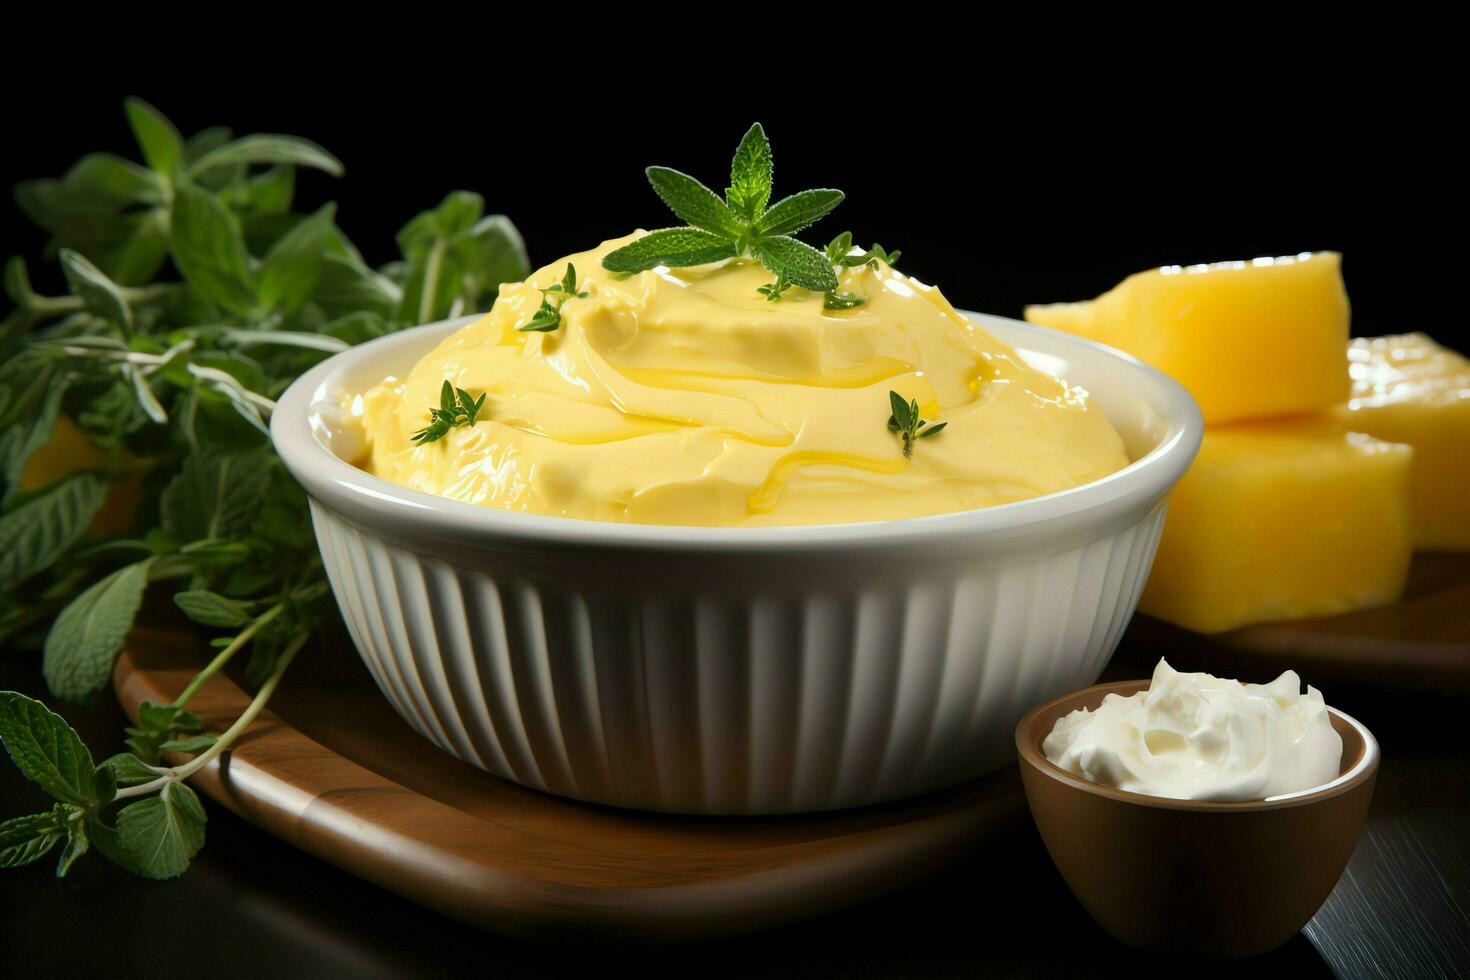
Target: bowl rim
{"points": [[325, 475], [1030, 754]]}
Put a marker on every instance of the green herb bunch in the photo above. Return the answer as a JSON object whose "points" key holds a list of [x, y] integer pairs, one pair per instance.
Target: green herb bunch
{"points": [[197, 293], [742, 223]]}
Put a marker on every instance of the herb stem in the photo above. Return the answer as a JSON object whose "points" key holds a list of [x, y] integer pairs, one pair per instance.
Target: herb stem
{"points": [[246, 719], [47, 306], [229, 380], [223, 657], [431, 280]]}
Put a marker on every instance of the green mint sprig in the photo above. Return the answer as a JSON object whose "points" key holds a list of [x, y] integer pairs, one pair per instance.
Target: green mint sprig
{"points": [[548, 315], [906, 422], [457, 408], [738, 225]]}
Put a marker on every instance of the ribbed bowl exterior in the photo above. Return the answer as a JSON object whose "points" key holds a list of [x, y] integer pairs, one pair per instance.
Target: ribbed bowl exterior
{"points": [[737, 670], [720, 699]]}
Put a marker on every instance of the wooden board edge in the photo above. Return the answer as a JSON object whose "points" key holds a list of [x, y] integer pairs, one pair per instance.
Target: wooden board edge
{"points": [[446, 880]]}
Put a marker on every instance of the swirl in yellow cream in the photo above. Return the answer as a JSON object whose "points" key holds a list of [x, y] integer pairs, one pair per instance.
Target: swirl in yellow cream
{"points": [[682, 396]]}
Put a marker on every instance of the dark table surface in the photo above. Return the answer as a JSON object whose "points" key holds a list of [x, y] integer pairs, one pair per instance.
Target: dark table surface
{"points": [[253, 906]]}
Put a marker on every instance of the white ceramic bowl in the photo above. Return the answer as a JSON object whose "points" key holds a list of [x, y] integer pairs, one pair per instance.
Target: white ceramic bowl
{"points": [[738, 670]]}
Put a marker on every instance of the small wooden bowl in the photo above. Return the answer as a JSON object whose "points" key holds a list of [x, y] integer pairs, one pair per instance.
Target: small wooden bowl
{"points": [[1223, 879]]}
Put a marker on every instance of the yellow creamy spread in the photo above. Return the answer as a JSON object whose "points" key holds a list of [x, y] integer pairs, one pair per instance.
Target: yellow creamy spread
{"points": [[683, 396]]}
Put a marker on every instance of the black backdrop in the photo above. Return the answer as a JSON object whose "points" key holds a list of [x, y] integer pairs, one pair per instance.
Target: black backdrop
{"points": [[1000, 196]]}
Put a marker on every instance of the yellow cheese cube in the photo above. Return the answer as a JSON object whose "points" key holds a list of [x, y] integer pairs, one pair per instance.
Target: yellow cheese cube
{"points": [[1281, 520], [1249, 340], [1410, 389]]}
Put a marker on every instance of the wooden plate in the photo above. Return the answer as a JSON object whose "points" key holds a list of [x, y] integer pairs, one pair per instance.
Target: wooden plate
{"points": [[1420, 644], [333, 770]]}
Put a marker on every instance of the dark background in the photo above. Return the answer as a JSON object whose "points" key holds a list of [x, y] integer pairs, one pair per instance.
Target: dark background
{"points": [[1000, 193], [1003, 183]]}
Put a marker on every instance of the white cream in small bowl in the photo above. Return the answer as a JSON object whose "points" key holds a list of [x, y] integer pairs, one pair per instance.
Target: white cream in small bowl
{"points": [[1201, 737]]}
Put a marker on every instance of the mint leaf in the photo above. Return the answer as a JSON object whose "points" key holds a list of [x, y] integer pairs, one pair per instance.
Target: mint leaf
{"points": [[216, 496], [100, 294], [104, 181], [157, 723], [128, 770], [348, 288], [160, 142], [87, 636], [259, 197], [210, 252], [136, 247], [46, 750], [695, 203], [491, 252], [76, 846], [750, 174], [294, 263], [157, 836], [30, 838], [35, 534], [455, 215], [797, 261], [192, 745], [156, 718], [791, 214], [440, 246], [23, 439], [268, 148], [674, 247], [104, 785], [213, 609]]}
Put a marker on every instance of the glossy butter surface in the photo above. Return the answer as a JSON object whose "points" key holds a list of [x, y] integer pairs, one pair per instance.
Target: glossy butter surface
{"points": [[685, 397]]}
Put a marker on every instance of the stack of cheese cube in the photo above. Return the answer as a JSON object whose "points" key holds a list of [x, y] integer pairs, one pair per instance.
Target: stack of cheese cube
{"points": [[1324, 463]]}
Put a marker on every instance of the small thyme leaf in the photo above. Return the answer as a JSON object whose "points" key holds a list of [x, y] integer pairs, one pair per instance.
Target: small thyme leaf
{"points": [[548, 315], [839, 249], [772, 291], [457, 408], [906, 422], [842, 301]]}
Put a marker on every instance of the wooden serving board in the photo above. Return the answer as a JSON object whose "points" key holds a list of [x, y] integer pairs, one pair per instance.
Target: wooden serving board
{"points": [[331, 769], [1419, 644]]}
